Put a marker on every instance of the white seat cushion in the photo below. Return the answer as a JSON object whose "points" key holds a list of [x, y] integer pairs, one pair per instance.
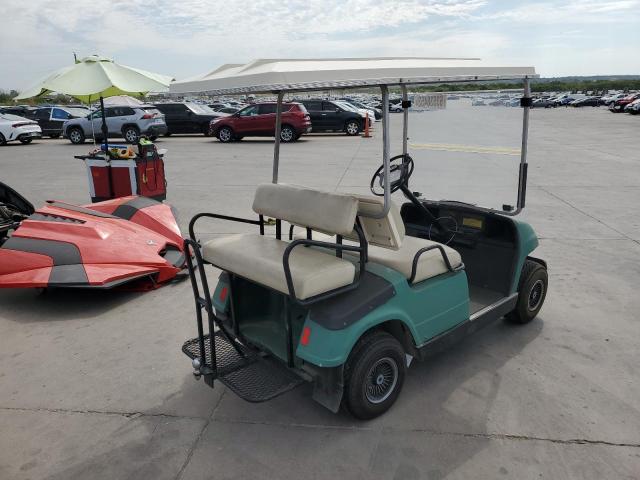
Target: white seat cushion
{"points": [[259, 258], [430, 263]]}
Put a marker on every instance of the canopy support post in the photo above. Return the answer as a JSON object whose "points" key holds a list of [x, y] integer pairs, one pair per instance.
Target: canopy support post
{"points": [[385, 154], [522, 175], [105, 129], [276, 147], [405, 120]]}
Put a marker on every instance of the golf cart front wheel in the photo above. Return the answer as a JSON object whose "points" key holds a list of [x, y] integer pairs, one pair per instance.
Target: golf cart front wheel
{"points": [[532, 289], [26, 141], [374, 375]]}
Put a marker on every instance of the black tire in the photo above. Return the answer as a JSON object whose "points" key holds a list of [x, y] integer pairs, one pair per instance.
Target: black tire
{"points": [[54, 135], [225, 135], [26, 141], [287, 134], [168, 134], [3, 141], [205, 130], [153, 138], [131, 134], [374, 375], [76, 136], [352, 127], [532, 289]]}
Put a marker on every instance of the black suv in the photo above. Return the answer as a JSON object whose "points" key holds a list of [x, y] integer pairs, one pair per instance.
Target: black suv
{"points": [[187, 117], [328, 116]]}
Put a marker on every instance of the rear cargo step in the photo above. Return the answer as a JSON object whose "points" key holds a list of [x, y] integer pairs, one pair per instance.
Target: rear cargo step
{"points": [[254, 378]]}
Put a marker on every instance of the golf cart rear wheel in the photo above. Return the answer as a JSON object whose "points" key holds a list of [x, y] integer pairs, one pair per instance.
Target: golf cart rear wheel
{"points": [[205, 130], [76, 136], [374, 375], [532, 292], [26, 141], [131, 135], [352, 127], [225, 135]]}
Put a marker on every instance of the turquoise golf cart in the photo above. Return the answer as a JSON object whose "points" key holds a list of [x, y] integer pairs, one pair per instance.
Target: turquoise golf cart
{"points": [[352, 288]]}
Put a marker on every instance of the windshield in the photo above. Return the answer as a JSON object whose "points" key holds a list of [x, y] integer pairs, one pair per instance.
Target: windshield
{"points": [[466, 150], [76, 112], [200, 109]]}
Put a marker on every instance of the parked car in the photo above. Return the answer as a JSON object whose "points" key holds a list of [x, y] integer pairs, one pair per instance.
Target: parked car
{"points": [[375, 113], [329, 116], [19, 110], [51, 119], [609, 99], [562, 100], [586, 102], [122, 122], [633, 108], [187, 117], [259, 120], [543, 103], [618, 105], [13, 127]]}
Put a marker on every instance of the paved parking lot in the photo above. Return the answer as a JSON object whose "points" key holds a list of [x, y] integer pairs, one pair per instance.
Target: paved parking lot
{"points": [[93, 384]]}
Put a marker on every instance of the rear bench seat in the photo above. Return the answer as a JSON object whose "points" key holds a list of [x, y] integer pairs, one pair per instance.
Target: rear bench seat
{"points": [[260, 258], [389, 246]]}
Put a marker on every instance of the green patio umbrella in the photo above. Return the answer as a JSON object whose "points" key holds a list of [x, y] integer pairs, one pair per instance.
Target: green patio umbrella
{"points": [[99, 77]]}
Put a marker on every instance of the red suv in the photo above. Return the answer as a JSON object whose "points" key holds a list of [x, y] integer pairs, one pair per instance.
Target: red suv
{"points": [[259, 120]]}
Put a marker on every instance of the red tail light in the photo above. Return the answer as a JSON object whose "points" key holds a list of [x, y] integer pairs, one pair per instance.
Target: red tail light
{"points": [[147, 116], [304, 338], [223, 294]]}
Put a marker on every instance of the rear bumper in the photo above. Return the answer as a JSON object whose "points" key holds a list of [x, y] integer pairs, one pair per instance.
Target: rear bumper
{"points": [[29, 135], [157, 130]]}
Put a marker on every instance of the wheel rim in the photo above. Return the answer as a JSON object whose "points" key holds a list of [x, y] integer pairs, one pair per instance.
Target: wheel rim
{"points": [[535, 295], [74, 136], [286, 134], [131, 135], [381, 380], [352, 128], [225, 135]]}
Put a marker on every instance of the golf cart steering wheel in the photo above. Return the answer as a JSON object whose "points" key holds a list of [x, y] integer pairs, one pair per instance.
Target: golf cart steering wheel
{"points": [[399, 174]]}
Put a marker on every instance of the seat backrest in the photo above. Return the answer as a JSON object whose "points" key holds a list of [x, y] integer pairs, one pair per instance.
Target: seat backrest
{"points": [[324, 211], [386, 232]]}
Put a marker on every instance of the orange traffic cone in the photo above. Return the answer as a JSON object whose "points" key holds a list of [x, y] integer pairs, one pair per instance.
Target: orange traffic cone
{"points": [[366, 126]]}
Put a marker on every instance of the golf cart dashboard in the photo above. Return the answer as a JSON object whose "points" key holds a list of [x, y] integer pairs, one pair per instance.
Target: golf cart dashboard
{"points": [[467, 224]]}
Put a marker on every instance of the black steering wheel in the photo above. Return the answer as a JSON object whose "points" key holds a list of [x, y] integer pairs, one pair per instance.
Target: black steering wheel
{"points": [[399, 174], [400, 170]]}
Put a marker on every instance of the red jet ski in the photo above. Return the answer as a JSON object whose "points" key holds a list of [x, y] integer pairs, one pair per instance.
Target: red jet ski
{"points": [[102, 245]]}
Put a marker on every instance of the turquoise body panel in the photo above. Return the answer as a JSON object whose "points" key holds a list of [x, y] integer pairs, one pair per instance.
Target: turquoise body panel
{"points": [[527, 242], [427, 309]]}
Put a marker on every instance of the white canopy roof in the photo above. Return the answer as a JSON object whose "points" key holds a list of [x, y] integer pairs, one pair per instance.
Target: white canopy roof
{"points": [[270, 75]]}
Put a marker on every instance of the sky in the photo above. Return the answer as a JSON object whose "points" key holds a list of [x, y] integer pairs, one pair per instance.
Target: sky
{"points": [[183, 38]]}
